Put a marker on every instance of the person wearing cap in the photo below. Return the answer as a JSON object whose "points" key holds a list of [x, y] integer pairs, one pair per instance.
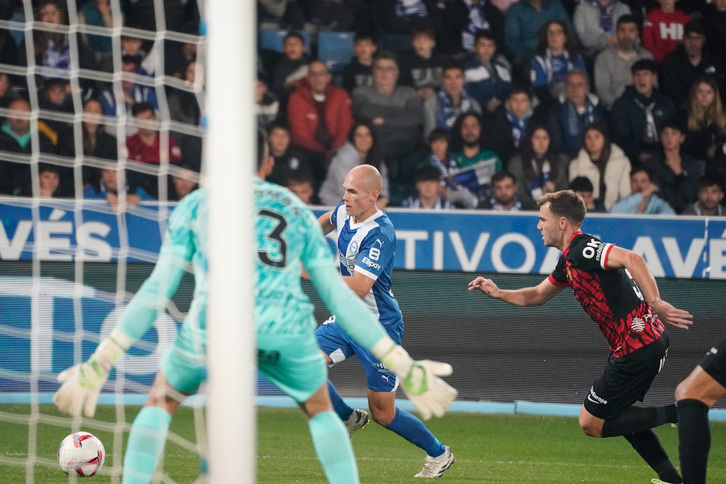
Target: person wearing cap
{"points": [[690, 60]]}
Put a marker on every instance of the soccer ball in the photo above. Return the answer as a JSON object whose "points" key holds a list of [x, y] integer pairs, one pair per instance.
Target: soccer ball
{"points": [[81, 454]]}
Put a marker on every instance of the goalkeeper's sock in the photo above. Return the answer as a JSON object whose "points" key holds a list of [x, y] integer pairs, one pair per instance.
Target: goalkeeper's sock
{"points": [[332, 444], [341, 408], [145, 445], [412, 429], [636, 419], [647, 445], [694, 439]]}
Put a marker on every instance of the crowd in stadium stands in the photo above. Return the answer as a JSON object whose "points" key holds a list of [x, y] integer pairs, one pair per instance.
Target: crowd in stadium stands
{"points": [[52, 86], [505, 100]]}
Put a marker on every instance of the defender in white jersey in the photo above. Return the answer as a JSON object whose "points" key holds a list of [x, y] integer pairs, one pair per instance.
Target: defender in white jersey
{"points": [[366, 242], [287, 352]]}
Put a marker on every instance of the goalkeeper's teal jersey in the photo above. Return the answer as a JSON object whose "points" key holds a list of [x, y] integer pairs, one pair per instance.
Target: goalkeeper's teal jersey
{"points": [[185, 242], [287, 234]]}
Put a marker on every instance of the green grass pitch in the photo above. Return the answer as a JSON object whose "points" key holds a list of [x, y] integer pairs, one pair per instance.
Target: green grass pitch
{"points": [[488, 449]]}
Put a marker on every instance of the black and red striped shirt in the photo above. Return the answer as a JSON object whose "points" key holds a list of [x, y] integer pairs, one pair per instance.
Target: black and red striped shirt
{"points": [[611, 297]]}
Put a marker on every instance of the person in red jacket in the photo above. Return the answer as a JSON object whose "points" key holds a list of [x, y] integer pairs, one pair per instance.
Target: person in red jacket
{"points": [[663, 29], [320, 116], [145, 147]]}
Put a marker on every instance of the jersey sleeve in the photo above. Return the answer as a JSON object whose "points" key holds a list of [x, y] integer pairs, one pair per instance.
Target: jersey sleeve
{"points": [[375, 253], [174, 257], [559, 276], [589, 253]]}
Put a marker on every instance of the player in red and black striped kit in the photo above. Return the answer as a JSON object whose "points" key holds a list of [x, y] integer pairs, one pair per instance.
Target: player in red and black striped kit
{"points": [[618, 291]]}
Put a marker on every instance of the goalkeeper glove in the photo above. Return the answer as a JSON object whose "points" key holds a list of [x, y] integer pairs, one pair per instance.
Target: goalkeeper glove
{"points": [[81, 384], [419, 379]]}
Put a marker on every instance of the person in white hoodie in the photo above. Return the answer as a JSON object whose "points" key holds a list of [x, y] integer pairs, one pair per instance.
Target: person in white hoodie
{"points": [[605, 164]]}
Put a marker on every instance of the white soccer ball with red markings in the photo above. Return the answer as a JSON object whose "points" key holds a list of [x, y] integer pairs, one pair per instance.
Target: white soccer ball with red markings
{"points": [[81, 454]]}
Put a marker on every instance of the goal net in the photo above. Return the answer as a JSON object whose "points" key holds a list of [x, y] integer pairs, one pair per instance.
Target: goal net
{"points": [[103, 133]]}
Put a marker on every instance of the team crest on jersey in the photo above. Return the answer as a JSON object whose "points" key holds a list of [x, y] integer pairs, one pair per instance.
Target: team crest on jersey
{"points": [[638, 325], [568, 270], [353, 248]]}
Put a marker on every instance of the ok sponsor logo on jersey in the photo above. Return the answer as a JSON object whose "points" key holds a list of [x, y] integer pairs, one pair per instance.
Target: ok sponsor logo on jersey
{"points": [[593, 248]]}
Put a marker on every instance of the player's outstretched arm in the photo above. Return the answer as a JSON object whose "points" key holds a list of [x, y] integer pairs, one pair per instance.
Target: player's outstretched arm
{"points": [[638, 269], [420, 380], [526, 296], [82, 383]]}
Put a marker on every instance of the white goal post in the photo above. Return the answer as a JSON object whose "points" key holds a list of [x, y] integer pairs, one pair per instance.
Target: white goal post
{"points": [[230, 157]]}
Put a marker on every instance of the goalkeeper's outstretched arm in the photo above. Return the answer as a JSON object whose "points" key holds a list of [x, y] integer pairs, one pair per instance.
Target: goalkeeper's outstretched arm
{"points": [[82, 383], [420, 380]]}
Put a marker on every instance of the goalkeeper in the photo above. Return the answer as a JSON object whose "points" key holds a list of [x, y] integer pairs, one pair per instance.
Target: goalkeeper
{"points": [[287, 234]]}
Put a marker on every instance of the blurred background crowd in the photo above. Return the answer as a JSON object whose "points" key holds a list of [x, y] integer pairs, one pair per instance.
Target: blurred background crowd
{"points": [[480, 104]]}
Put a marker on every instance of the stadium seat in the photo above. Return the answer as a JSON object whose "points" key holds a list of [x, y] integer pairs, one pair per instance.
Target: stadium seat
{"points": [[335, 49], [272, 39]]}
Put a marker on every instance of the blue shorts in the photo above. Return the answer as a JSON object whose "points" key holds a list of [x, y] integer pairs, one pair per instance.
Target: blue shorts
{"points": [[293, 363], [185, 364], [338, 346]]}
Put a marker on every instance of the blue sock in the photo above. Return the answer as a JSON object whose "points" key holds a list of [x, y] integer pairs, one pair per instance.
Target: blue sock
{"points": [[339, 405], [145, 445], [412, 429], [332, 444]]}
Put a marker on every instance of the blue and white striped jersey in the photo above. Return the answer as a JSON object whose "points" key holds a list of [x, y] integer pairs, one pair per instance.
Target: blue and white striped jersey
{"points": [[369, 248]]}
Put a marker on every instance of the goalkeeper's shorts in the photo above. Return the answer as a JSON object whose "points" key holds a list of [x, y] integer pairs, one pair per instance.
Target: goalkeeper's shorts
{"points": [[292, 362], [184, 364]]}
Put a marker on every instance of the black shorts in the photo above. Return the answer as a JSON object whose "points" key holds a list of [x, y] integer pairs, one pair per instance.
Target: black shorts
{"points": [[626, 380], [714, 363]]}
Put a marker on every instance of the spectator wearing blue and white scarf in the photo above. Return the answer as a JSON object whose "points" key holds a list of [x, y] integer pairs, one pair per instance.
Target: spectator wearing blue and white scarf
{"points": [[488, 74], [441, 110], [577, 108], [460, 20], [556, 55], [537, 166], [411, 8], [519, 112], [477, 21], [444, 162]]}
